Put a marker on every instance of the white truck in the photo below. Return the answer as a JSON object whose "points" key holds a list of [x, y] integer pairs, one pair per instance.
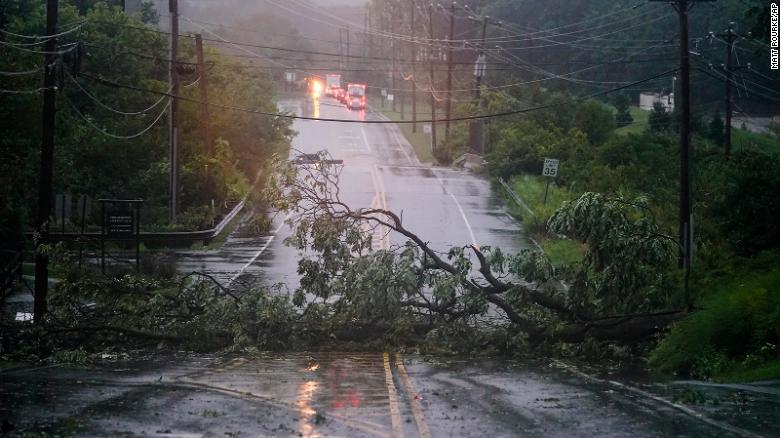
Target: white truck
{"points": [[332, 82]]}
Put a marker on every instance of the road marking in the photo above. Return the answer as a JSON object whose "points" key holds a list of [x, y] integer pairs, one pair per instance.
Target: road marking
{"points": [[392, 394], [699, 416], [463, 215], [365, 139], [260, 252], [422, 426], [400, 145]]}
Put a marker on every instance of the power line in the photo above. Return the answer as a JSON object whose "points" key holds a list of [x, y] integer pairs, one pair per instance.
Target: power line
{"points": [[453, 119], [115, 136], [92, 97]]}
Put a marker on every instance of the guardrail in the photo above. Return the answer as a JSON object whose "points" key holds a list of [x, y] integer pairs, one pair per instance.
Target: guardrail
{"points": [[515, 197], [163, 236]]}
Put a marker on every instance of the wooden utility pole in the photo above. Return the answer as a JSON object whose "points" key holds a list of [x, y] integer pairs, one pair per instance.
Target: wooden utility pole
{"points": [[401, 89], [686, 214], [433, 80], [47, 160], [413, 50], [449, 73], [395, 73], [173, 134], [730, 36], [203, 85]]}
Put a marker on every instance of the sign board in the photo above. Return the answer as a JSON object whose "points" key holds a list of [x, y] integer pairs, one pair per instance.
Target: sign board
{"points": [[426, 129], [479, 66], [550, 168], [390, 97], [384, 92], [290, 76], [120, 223]]}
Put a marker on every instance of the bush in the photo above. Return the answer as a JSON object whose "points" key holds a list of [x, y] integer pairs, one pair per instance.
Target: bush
{"points": [[736, 327]]}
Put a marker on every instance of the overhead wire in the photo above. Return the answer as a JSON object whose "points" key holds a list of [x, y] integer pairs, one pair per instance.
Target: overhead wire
{"points": [[452, 119], [116, 136]]}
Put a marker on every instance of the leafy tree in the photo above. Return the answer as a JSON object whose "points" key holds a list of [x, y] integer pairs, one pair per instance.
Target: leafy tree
{"points": [[659, 119], [623, 116], [622, 273], [715, 130], [750, 203], [595, 119]]}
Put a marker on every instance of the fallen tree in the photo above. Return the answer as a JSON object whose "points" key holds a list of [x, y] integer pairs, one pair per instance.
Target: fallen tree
{"points": [[619, 292]]}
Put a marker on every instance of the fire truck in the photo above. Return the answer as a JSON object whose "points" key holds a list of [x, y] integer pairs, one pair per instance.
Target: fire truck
{"points": [[356, 96]]}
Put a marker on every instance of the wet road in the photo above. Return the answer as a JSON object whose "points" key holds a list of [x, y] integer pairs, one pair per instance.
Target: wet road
{"points": [[355, 395], [446, 207]]}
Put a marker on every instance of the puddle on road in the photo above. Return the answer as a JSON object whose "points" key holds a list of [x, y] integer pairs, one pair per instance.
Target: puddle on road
{"points": [[319, 387]]}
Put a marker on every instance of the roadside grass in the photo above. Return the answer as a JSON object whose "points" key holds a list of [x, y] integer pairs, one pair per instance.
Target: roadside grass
{"points": [[10, 364], [742, 374], [419, 141], [733, 336], [638, 125], [744, 139], [562, 252], [531, 190]]}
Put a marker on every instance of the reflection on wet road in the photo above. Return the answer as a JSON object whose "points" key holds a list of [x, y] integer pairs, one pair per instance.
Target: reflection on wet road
{"points": [[446, 207], [356, 395]]}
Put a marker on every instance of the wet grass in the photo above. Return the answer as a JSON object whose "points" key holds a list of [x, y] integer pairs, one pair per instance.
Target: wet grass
{"points": [[740, 374], [743, 139], [531, 189], [563, 251], [638, 125], [420, 142]]}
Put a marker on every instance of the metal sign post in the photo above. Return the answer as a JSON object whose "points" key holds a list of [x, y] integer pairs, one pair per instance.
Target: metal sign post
{"points": [[550, 170]]}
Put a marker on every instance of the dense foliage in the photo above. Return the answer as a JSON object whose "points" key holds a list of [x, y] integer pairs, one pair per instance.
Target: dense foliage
{"points": [[114, 51]]}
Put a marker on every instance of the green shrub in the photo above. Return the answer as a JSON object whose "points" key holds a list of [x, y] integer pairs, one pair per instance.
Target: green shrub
{"points": [[736, 329]]}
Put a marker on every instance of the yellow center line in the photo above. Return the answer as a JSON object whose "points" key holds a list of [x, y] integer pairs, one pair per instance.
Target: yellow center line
{"points": [[395, 413], [422, 426]]}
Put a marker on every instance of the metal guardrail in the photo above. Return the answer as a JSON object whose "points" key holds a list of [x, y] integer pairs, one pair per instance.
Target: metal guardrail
{"points": [[160, 236], [515, 197]]}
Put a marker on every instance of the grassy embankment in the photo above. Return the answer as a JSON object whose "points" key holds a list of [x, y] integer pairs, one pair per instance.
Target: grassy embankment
{"points": [[638, 125], [420, 142], [531, 190]]}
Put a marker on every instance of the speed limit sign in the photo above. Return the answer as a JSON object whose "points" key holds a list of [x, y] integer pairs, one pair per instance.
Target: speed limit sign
{"points": [[550, 167]]}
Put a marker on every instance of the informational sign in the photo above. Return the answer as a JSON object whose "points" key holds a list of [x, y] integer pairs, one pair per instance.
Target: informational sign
{"points": [[550, 168], [290, 76], [120, 223], [384, 92], [479, 66], [390, 97], [426, 129]]}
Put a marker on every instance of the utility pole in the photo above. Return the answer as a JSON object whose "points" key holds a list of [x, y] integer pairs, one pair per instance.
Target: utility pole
{"points": [[730, 36], [348, 50], [173, 134], [47, 160], [203, 85], [476, 129], [449, 73], [341, 49], [433, 81], [413, 50], [392, 43], [686, 214], [401, 94]]}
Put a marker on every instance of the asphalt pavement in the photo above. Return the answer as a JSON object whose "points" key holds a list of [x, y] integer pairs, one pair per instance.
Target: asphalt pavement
{"points": [[334, 394], [444, 206]]}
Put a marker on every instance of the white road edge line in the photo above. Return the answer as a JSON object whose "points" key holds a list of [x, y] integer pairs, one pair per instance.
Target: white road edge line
{"points": [[699, 416], [260, 252], [463, 215]]}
